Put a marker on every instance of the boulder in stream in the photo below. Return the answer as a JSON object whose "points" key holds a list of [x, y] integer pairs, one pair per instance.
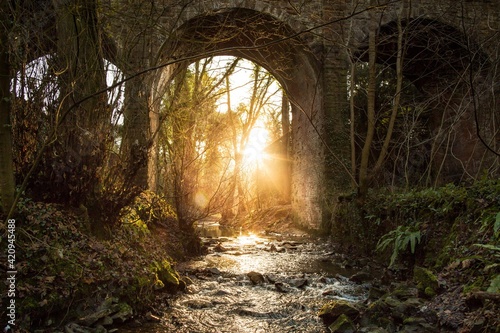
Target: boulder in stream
{"points": [[332, 310], [342, 325], [256, 278]]}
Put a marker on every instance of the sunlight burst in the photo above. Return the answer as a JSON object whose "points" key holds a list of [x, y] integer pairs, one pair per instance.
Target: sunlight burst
{"points": [[257, 141], [251, 239]]}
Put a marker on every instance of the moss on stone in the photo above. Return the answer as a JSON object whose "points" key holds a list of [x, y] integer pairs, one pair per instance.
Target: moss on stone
{"points": [[332, 310], [167, 275], [429, 292], [342, 325], [427, 283]]}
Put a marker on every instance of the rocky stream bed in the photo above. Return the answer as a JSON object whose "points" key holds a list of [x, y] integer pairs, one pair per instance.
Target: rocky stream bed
{"points": [[253, 284], [297, 284]]}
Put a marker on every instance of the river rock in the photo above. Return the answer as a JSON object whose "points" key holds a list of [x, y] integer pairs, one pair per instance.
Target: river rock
{"points": [[199, 303], [299, 283], [361, 277], [331, 292], [281, 287], [417, 325], [342, 325], [256, 278], [331, 311], [212, 270], [404, 292], [170, 278], [374, 293], [278, 249], [271, 278], [220, 248]]}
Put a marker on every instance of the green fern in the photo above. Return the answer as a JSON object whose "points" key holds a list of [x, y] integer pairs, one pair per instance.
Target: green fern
{"points": [[399, 238]]}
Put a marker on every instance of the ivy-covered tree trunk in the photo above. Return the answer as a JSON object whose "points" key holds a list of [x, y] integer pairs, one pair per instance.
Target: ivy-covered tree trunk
{"points": [[83, 115], [7, 184]]}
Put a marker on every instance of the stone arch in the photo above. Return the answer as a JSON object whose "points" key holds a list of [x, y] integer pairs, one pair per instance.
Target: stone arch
{"points": [[444, 63], [201, 8], [273, 44]]}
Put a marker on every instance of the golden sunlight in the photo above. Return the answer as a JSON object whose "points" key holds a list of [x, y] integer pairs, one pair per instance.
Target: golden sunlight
{"points": [[251, 239], [255, 148]]}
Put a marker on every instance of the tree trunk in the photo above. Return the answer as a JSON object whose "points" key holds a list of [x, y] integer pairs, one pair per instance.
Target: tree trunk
{"points": [[372, 81], [7, 184], [353, 123], [84, 116], [395, 104]]}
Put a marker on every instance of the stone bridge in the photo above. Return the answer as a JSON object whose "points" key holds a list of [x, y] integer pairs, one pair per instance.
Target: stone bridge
{"points": [[307, 45]]}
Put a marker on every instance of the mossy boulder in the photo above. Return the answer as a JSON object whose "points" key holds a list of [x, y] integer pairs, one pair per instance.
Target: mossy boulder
{"points": [[342, 325], [404, 292], [168, 276], [332, 310], [427, 282]]}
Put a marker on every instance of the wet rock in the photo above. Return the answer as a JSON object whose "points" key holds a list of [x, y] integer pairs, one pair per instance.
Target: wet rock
{"points": [[377, 314], [361, 277], [416, 324], [331, 292], [342, 325], [374, 293], [169, 277], [212, 270], [299, 283], [278, 249], [396, 308], [271, 278], [427, 282], [198, 303], [251, 313], [404, 292], [331, 311], [289, 246], [281, 287], [256, 278], [221, 293], [220, 248]]}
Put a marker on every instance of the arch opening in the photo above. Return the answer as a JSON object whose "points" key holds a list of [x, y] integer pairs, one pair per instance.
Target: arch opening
{"points": [[442, 100], [221, 140], [274, 46]]}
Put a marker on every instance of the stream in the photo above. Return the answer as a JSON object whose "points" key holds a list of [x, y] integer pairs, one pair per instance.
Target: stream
{"points": [[258, 284]]}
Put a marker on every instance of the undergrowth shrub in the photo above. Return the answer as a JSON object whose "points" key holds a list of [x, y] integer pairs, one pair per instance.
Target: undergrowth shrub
{"points": [[63, 269], [426, 226]]}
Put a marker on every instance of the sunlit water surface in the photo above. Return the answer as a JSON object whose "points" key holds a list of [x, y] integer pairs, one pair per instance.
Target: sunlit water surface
{"points": [[299, 276]]}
